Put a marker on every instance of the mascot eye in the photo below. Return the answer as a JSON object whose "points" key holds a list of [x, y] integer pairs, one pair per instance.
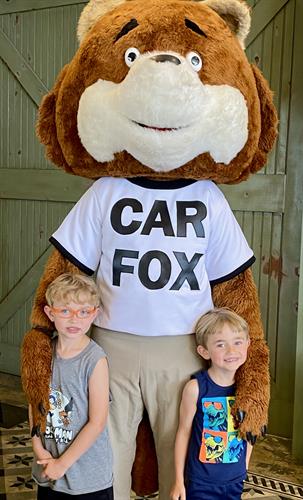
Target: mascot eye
{"points": [[131, 55], [194, 60]]}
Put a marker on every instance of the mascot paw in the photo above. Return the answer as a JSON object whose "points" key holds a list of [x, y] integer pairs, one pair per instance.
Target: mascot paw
{"points": [[38, 412], [251, 438], [251, 420]]}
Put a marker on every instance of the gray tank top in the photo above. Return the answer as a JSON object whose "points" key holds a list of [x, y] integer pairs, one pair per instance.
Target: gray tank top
{"points": [[68, 414]]}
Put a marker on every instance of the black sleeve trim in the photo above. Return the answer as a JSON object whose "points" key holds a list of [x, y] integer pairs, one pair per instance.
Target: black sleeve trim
{"points": [[70, 257], [235, 273]]}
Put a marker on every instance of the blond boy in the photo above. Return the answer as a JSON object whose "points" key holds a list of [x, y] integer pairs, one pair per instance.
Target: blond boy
{"points": [[210, 458], [73, 456]]}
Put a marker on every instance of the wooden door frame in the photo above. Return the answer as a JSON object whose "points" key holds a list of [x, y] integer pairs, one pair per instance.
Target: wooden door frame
{"points": [[296, 145], [297, 437]]}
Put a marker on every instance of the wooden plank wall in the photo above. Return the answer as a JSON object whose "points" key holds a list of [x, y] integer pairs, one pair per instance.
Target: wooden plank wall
{"points": [[34, 45], [37, 38]]}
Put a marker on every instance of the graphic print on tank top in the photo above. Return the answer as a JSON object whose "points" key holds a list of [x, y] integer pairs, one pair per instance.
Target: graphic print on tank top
{"points": [[59, 417], [220, 441]]}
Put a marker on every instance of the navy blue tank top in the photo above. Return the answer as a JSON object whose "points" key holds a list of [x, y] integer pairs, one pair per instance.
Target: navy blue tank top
{"points": [[216, 453]]}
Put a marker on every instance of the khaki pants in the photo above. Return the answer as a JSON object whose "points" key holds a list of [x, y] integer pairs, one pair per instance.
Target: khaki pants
{"points": [[150, 372]]}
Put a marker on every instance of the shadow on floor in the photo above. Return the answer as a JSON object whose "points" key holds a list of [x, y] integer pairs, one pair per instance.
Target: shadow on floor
{"points": [[11, 415]]}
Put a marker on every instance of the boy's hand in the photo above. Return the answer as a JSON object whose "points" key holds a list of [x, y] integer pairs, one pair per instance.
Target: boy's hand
{"points": [[42, 455], [178, 492], [52, 468]]}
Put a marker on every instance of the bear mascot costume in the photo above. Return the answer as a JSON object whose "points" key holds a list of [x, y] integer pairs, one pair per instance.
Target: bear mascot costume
{"points": [[158, 106]]}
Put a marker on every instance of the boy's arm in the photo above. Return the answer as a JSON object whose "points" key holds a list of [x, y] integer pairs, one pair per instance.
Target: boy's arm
{"points": [[98, 389], [249, 450], [38, 448], [188, 408]]}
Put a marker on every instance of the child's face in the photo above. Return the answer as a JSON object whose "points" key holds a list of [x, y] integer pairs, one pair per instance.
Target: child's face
{"points": [[72, 320], [227, 348]]}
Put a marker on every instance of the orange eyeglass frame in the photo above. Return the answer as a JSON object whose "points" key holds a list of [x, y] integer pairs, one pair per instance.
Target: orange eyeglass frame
{"points": [[58, 311]]}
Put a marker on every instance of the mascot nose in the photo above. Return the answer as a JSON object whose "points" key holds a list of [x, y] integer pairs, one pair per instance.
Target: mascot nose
{"points": [[161, 58]]}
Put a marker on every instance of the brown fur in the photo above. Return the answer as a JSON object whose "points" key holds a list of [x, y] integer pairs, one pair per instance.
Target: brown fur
{"points": [[240, 294], [145, 468], [224, 62], [36, 347], [161, 27]]}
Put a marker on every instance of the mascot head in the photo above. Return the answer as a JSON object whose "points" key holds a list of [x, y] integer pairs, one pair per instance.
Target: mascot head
{"points": [[162, 89]]}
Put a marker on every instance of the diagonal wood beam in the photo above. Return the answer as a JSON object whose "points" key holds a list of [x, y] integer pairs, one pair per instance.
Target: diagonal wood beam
{"points": [[16, 298], [20, 68]]}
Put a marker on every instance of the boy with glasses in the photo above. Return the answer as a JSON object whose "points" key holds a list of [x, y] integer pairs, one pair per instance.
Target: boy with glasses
{"points": [[74, 456]]}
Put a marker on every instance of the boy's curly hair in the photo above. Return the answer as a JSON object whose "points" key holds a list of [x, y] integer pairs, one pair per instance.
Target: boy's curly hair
{"points": [[69, 287]]}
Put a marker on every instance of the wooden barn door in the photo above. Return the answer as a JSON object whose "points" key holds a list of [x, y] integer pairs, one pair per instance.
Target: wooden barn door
{"points": [[37, 37]]}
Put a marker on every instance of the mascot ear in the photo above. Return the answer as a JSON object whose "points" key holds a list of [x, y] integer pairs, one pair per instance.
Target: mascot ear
{"points": [[46, 127], [235, 13], [269, 121], [91, 13]]}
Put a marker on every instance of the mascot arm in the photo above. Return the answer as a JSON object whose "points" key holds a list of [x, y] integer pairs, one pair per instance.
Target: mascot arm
{"points": [[36, 355], [252, 379]]}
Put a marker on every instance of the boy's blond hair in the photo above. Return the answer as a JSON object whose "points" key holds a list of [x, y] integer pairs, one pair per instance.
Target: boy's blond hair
{"points": [[69, 287], [212, 321]]}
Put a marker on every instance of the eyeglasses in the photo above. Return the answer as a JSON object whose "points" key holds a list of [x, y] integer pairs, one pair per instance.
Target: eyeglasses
{"points": [[67, 313]]}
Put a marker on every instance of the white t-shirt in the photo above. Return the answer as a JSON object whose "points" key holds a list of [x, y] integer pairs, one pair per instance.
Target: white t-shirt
{"points": [[156, 246]]}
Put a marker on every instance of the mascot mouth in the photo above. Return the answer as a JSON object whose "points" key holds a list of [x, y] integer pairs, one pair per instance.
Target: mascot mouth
{"points": [[158, 129]]}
